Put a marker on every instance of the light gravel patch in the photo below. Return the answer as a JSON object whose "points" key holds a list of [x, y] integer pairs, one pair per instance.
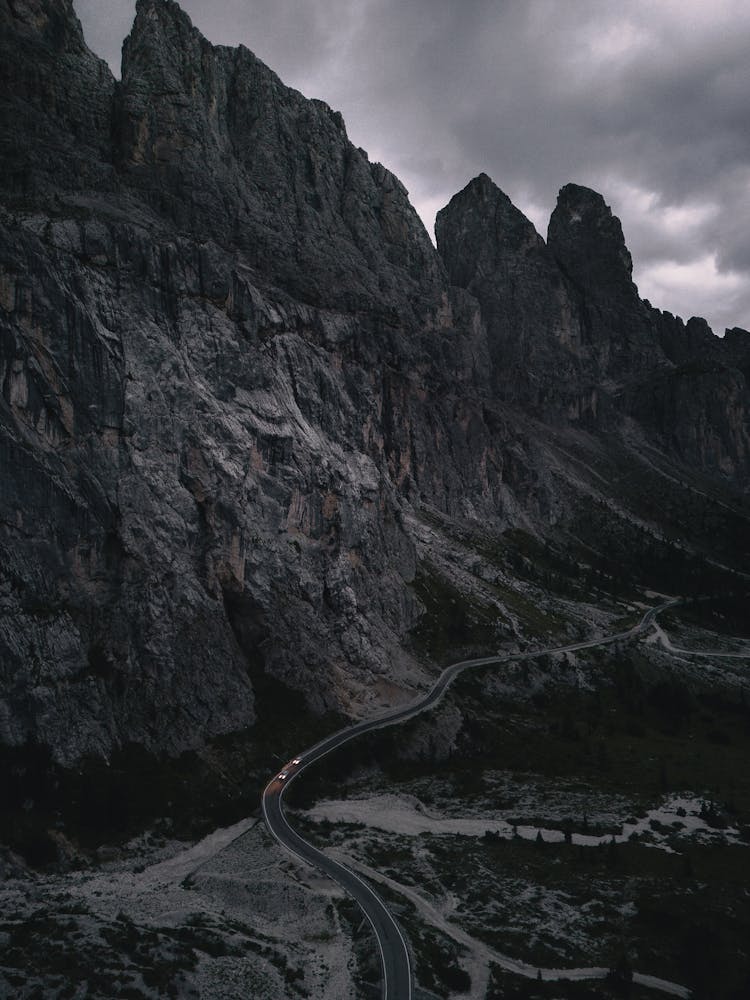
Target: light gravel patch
{"points": [[677, 816], [275, 918], [690, 642]]}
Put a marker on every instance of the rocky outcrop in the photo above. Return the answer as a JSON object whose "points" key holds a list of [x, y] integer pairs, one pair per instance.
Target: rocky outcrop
{"points": [[231, 362], [570, 337], [202, 470], [306, 208], [587, 243], [534, 331], [56, 107]]}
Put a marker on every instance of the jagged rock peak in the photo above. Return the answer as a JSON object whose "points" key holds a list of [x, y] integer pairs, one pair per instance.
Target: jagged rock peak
{"points": [[170, 8], [169, 83], [479, 229], [282, 172], [163, 46], [55, 101], [587, 241], [491, 249], [163, 32], [736, 345], [55, 20], [165, 20]]}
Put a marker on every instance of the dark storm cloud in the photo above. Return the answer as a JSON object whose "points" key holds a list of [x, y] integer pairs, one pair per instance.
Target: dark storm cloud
{"points": [[647, 103]]}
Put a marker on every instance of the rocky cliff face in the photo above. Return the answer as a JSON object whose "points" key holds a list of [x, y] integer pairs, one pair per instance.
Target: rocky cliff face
{"points": [[570, 335], [56, 110], [306, 208], [201, 467], [233, 370], [534, 328]]}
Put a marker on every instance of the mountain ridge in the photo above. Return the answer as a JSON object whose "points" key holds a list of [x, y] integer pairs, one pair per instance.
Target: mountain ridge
{"points": [[235, 373]]}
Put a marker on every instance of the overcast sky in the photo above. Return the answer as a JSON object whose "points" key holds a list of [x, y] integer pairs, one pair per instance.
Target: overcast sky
{"points": [[647, 102]]}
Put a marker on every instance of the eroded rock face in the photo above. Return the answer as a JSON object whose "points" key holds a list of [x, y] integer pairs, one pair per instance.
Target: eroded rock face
{"points": [[570, 337], [534, 326], [56, 109], [287, 188], [587, 242], [676, 378], [231, 361], [225, 355]]}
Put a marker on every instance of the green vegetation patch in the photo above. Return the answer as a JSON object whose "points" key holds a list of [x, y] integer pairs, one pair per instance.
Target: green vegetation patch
{"points": [[506, 986], [729, 615], [643, 732], [58, 955], [453, 622]]}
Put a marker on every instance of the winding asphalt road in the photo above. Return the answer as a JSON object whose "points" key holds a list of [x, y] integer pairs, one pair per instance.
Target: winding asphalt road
{"points": [[394, 953]]}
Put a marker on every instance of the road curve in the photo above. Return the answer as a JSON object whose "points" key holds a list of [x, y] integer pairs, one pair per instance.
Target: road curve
{"points": [[720, 654], [394, 953]]}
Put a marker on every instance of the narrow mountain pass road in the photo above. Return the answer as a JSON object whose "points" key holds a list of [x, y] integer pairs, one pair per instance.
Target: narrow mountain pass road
{"points": [[394, 952], [721, 654]]}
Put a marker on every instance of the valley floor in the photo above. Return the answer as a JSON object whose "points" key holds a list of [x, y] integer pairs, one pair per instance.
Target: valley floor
{"points": [[588, 818], [230, 916]]}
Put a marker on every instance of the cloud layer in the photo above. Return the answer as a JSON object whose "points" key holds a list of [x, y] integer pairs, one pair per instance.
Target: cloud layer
{"points": [[647, 103]]}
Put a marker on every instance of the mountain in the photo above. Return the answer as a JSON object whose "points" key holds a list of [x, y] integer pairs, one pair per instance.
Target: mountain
{"points": [[569, 334], [248, 409]]}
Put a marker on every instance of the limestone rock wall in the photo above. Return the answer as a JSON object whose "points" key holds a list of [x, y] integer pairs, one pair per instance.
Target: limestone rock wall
{"points": [[231, 362]]}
